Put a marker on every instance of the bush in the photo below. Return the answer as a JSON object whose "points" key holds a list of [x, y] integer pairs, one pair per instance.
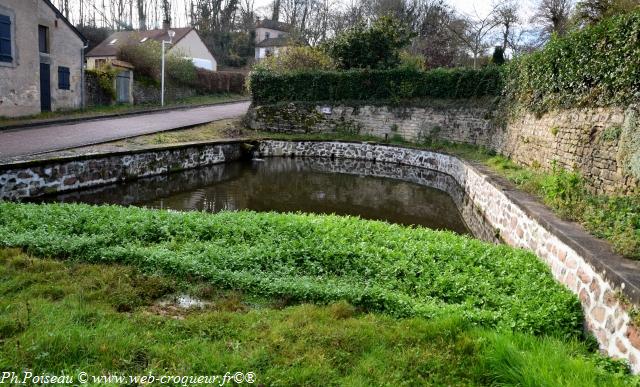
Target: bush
{"points": [[374, 265], [296, 58], [367, 85], [595, 66], [104, 77], [414, 62], [373, 47], [147, 59]]}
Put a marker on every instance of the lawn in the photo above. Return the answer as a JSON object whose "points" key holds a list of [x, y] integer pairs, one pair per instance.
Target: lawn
{"points": [[68, 315]]}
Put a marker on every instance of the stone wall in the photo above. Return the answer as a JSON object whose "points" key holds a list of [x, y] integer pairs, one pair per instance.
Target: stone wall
{"points": [[36, 178], [593, 141], [582, 263]]}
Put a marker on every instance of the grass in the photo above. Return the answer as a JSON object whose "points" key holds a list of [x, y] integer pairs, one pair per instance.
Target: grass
{"points": [[96, 111], [311, 258], [66, 317]]}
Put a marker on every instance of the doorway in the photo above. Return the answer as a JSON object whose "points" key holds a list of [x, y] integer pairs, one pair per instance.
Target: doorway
{"points": [[45, 87]]}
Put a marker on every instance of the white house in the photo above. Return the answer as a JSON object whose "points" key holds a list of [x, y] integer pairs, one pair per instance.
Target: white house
{"points": [[186, 43], [271, 38]]}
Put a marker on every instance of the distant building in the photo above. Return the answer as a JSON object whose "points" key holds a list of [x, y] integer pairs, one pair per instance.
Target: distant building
{"points": [[186, 43], [40, 59], [271, 38]]}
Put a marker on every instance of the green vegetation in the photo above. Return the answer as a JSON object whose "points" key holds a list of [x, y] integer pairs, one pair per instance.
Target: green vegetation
{"points": [[371, 85], [147, 57], [615, 218], [105, 78], [65, 316], [373, 265], [370, 47], [296, 59], [598, 65], [595, 66]]}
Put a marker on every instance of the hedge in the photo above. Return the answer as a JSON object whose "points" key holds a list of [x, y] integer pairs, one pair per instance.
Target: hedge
{"points": [[367, 85], [592, 67]]}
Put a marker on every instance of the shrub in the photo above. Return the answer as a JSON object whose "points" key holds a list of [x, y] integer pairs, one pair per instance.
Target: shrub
{"points": [[296, 58], [368, 85], [410, 61], [373, 47], [105, 78], [147, 59]]}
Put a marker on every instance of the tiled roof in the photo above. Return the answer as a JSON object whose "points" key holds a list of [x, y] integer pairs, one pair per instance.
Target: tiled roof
{"points": [[105, 48]]}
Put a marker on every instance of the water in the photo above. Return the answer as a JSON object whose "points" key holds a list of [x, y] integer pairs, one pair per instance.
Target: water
{"points": [[390, 192]]}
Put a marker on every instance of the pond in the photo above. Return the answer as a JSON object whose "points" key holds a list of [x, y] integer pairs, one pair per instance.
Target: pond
{"points": [[380, 191]]}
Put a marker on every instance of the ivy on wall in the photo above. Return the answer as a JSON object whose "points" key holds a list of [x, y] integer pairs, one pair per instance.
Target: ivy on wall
{"points": [[593, 67]]}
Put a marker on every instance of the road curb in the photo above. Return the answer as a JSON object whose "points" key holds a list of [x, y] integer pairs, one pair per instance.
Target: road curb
{"points": [[29, 125]]}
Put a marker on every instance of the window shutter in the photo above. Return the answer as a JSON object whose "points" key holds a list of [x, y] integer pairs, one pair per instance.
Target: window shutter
{"points": [[5, 39], [63, 78]]}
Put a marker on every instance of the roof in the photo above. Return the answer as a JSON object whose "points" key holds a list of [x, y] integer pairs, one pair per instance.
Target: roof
{"points": [[276, 42], [273, 25], [60, 16], [122, 37]]}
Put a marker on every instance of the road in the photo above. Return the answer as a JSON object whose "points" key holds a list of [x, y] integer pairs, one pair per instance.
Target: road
{"points": [[42, 139]]}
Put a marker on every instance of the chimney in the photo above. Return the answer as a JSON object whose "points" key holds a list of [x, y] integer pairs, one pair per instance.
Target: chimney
{"points": [[166, 24]]}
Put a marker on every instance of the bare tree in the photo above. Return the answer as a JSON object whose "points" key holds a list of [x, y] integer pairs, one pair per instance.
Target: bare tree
{"points": [[553, 16], [473, 31], [507, 18]]}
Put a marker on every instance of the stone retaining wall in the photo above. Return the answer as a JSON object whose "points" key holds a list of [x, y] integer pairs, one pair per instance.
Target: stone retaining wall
{"points": [[602, 144], [604, 282], [585, 265], [32, 179]]}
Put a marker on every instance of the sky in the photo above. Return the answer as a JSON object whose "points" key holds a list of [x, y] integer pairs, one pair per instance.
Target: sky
{"points": [[468, 7]]}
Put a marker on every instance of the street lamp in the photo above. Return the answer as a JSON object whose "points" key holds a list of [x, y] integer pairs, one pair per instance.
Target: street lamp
{"points": [[171, 34]]}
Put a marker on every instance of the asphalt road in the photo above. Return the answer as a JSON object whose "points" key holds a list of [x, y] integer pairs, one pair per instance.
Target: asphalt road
{"points": [[22, 142]]}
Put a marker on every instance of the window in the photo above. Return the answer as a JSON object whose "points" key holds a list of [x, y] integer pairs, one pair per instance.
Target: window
{"points": [[43, 39], [5, 39], [63, 78], [266, 35], [281, 35]]}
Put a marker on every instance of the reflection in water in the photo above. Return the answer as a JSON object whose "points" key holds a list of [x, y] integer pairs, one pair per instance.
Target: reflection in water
{"points": [[390, 192]]}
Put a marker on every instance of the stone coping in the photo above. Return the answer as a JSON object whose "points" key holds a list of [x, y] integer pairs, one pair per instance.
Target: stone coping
{"points": [[623, 273], [124, 152]]}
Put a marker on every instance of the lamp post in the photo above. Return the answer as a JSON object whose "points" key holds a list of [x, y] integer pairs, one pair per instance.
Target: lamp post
{"points": [[171, 34]]}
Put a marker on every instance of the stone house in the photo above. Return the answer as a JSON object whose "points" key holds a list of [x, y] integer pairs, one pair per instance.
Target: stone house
{"points": [[41, 57], [271, 37], [186, 43]]}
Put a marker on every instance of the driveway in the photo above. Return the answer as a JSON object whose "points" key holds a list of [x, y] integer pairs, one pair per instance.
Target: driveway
{"points": [[42, 139]]}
